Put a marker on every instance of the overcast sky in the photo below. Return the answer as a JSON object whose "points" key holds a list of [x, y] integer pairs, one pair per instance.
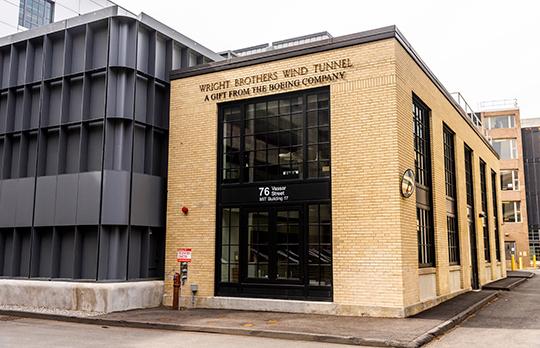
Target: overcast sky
{"points": [[487, 50]]}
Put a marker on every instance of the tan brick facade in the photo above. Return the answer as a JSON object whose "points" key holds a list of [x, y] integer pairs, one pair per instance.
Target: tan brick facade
{"points": [[375, 250]]}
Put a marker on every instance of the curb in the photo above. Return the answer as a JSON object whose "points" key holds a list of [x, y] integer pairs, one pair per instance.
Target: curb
{"points": [[451, 323], [518, 283], [521, 274], [506, 288], [325, 338]]}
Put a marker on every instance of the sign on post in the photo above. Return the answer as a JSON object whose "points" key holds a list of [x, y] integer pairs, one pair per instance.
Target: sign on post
{"points": [[183, 255]]}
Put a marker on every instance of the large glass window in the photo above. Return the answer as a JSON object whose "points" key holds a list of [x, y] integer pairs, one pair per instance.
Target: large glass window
{"points": [[509, 180], [278, 246], [232, 125], [318, 135], [230, 232], [421, 144], [451, 206], [471, 226], [511, 211], [35, 13], [485, 219], [534, 241], [424, 221], [505, 121], [288, 244], [506, 148], [495, 215], [320, 245], [282, 137], [258, 244], [469, 177], [449, 163], [274, 233], [426, 255]]}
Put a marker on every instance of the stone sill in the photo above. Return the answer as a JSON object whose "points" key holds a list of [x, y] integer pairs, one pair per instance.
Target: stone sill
{"points": [[427, 270]]}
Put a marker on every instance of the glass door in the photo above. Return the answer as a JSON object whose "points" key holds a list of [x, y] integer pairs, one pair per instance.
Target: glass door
{"points": [[288, 251], [274, 245], [258, 245]]}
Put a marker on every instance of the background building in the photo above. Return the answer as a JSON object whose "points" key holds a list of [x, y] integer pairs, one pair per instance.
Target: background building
{"points": [[20, 15], [84, 122], [502, 122], [295, 41], [530, 132]]}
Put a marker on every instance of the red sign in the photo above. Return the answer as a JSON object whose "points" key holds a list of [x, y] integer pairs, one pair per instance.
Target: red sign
{"points": [[183, 255]]}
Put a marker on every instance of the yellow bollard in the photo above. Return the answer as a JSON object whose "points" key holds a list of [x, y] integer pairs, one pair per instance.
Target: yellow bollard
{"points": [[534, 261], [513, 262], [520, 262]]}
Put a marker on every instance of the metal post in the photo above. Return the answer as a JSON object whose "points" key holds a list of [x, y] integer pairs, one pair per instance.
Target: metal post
{"points": [[176, 291]]}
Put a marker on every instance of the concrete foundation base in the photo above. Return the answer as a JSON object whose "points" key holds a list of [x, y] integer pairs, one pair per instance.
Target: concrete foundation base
{"points": [[309, 307], [86, 297], [289, 306]]}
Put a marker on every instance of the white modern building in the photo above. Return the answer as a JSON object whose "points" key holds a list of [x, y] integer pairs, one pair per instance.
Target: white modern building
{"points": [[20, 15]]}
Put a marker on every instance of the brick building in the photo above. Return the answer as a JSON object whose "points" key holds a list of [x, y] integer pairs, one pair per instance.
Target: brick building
{"points": [[296, 166], [502, 122]]}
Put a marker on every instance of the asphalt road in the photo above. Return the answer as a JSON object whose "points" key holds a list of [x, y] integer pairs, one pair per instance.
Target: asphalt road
{"points": [[22, 332], [513, 320]]}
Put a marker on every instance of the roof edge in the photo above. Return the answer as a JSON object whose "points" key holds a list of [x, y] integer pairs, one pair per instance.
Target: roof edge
{"points": [[109, 12], [373, 35], [423, 66], [287, 52], [177, 36]]}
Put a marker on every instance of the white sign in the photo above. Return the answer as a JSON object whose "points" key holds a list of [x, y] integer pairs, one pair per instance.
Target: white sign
{"points": [[183, 255], [273, 194]]}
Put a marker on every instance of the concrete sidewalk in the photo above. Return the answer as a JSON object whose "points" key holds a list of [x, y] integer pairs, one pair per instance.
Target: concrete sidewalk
{"points": [[382, 332], [366, 331]]}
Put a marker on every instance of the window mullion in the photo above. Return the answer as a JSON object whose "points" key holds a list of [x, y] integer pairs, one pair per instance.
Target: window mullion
{"points": [[242, 149]]}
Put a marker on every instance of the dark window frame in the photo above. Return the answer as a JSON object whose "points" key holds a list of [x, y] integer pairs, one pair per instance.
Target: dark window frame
{"points": [[227, 229], [485, 218], [315, 280], [244, 150], [423, 177], [471, 217], [495, 215], [320, 244], [451, 195], [308, 191], [469, 179]]}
